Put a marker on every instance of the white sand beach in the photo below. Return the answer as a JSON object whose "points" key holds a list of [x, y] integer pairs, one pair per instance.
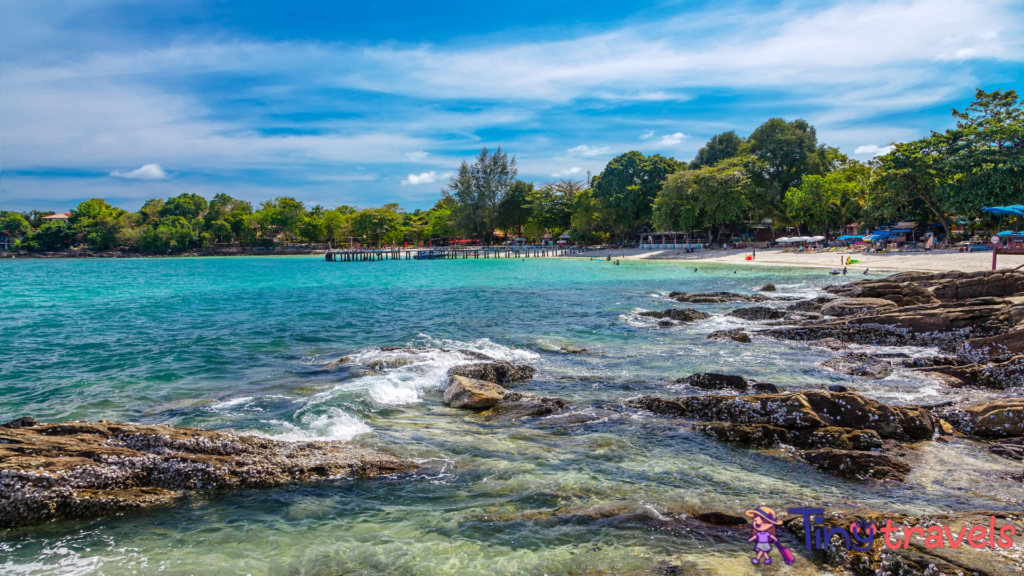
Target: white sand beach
{"points": [[937, 261]]}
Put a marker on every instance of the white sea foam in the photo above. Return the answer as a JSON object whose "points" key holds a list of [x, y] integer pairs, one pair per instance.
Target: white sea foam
{"points": [[330, 424]]}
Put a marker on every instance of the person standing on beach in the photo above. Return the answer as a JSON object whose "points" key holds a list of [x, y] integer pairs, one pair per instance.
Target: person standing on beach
{"points": [[753, 253]]}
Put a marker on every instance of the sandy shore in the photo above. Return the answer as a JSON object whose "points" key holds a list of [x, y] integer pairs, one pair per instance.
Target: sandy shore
{"points": [[938, 261]]}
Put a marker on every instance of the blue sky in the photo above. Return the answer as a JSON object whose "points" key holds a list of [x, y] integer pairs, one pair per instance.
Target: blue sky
{"points": [[368, 103]]}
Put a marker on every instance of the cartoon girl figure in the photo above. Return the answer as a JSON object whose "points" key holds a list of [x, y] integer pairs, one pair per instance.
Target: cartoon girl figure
{"points": [[765, 521]]}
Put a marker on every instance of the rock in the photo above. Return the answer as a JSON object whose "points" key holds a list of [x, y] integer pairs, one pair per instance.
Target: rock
{"points": [[989, 419], [23, 422], [838, 388], [574, 350], [998, 348], [999, 376], [389, 362], [858, 464], [720, 519], [473, 394], [516, 406], [734, 335], [677, 314], [657, 406], [836, 437], [851, 306], [716, 297], [850, 410], [713, 381], [789, 411], [1012, 448], [666, 324], [813, 305], [767, 288], [765, 388], [859, 364], [474, 355], [906, 293], [911, 288], [337, 363], [495, 372], [76, 469], [759, 313], [752, 435], [829, 343]]}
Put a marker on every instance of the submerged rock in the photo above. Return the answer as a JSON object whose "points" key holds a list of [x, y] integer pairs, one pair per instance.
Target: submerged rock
{"points": [[677, 314], [389, 362], [516, 406], [337, 363], [751, 435], [721, 297], [658, 406], [860, 364], [837, 437], [73, 469], [473, 394], [830, 343], [720, 519], [765, 388], [767, 288], [1012, 448], [713, 381], [496, 372], [574, 350]]}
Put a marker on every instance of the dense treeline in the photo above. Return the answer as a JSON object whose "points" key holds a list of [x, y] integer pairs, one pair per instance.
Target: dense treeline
{"points": [[780, 176]]}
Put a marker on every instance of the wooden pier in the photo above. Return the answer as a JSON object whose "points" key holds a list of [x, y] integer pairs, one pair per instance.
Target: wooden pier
{"points": [[451, 253]]}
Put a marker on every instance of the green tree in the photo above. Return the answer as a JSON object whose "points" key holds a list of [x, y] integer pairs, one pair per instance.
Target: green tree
{"points": [[14, 224], [188, 206], [786, 152], [478, 190], [551, 205], [911, 171], [221, 231], [514, 209], [627, 187], [378, 225], [96, 223], [50, 236], [586, 217], [720, 147], [820, 201], [709, 198]]}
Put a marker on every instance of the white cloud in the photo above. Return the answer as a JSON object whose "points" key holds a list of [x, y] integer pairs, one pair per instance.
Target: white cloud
{"points": [[587, 152], [417, 156], [672, 139], [423, 178], [146, 172], [873, 150], [569, 172], [648, 135]]}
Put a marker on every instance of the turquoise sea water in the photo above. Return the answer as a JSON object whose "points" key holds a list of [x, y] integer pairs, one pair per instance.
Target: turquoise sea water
{"points": [[239, 343]]}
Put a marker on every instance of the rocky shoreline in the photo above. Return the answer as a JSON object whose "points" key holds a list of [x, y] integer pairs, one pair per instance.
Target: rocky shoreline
{"points": [[76, 469]]}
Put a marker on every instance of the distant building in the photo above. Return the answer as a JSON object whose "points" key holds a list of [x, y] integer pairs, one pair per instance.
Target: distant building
{"points": [[7, 240], [60, 216]]}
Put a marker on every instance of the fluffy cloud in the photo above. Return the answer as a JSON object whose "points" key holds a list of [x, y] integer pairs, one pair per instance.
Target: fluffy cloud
{"points": [[146, 172], [586, 151], [417, 156], [873, 150], [569, 172], [672, 139], [423, 178]]}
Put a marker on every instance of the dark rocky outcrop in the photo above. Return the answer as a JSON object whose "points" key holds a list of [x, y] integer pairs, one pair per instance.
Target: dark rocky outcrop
{"points": [[765, 388], [74, 469], [389, 362], [659, 406], [734, 335], [336, 364], [812, 305], [1012, 448], [720, 518], [1000, 376], [472, 394], [574, 350], [677, 314], [860, 364], [998, 348], [837, 437], [759, 313], [750, 435], [858, 464], [495, 372], [911, 288], [713, 381], [767, 288], [717, 297]]}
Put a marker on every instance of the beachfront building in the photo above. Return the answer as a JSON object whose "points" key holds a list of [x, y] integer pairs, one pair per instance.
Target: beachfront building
{"points": [[667, 241], [58, 217]]}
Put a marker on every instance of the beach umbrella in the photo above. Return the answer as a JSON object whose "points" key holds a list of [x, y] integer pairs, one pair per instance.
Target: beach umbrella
{"points": [[783, 239], [816, 239]]}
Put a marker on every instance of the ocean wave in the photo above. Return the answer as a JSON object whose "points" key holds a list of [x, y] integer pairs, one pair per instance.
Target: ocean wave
{"points": [[330, 424]]}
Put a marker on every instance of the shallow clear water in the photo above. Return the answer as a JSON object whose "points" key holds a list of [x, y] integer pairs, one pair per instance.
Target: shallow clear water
{"points": [[240, 343]]}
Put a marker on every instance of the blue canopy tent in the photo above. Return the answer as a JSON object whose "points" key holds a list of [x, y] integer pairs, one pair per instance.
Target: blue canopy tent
{"points": [[876, 236], [1017, 211], [849, 238]]}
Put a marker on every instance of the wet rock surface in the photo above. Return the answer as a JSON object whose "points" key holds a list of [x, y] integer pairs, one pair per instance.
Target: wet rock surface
{"points": [[517, 406], [759, 313], [722, 297], [677, 314], [1001, 418], [851, 306], [74, 469], [830, 344], [713, 381], [860, 364], [734, 335], [495, 372], [858, 464]]}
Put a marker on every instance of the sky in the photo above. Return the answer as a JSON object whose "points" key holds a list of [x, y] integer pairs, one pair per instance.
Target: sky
{"points": [[337, 102]]}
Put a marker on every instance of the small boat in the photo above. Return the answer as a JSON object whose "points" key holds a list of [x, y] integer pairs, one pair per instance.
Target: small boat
{"points": [[834, 272]]}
